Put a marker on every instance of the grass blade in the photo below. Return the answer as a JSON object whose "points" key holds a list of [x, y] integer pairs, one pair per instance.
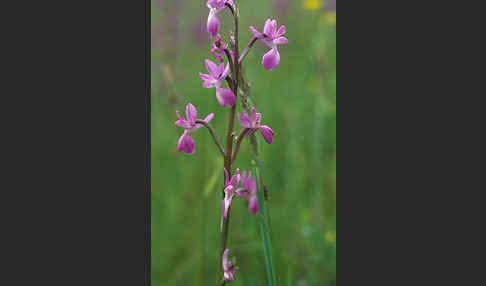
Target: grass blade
{"points": [[263, 213]]}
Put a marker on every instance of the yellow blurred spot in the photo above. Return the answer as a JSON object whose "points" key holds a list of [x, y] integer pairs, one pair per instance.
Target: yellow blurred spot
{"points": [[330, 18], [331, 237], [312, 4]]}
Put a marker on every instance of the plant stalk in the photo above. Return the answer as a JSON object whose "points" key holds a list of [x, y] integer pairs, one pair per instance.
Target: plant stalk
{"points": [[229, 136]]}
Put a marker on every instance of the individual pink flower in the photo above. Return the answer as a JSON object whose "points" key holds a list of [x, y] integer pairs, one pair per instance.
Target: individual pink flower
{"points": [[253, 122], [215, 78], [229, 190], [228, 268], [250, 192], [272, 38], [186, 143], [215, 6], [218, 48]]}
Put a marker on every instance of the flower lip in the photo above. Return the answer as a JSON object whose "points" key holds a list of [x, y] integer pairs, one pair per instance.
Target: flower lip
{"points": [[229, 189]]}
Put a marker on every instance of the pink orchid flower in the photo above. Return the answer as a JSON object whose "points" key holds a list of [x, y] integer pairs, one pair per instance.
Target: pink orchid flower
{"points": [[250, 186], [229, 190], [215, 78], [253, 122], [186, 143], [228, 268], [218, 48], [272, 38], [215, 6]]}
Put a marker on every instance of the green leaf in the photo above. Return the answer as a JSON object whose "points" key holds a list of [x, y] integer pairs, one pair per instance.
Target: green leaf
{"points": [[263, 213], [212, 181]]}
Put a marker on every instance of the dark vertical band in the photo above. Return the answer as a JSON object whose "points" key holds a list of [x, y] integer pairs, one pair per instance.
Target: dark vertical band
{"points": [[147, 138]]}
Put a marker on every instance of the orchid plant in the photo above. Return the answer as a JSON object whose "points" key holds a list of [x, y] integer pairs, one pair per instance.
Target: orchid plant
{"points": [[250, 122]]}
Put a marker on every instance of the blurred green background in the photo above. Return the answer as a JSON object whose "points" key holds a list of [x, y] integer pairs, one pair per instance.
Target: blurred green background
{"points": [[297, 100]]}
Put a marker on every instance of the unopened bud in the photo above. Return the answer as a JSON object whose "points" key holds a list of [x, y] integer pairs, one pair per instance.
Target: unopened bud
{"points": [[232, 40]]}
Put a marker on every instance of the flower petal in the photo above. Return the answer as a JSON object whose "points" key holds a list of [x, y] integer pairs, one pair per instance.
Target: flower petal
{"points": [[208, 80], [273, 28], [228, 277], [225, 72], [204, 76], [209, 83], [253, 206], [213, 23], [255, 32], [246, 184], [199, 125], [219, 44], [226, 204], [281, 31], [267, 133], [245, 120], [221, 71], [191, 114], [209, 117], [243, 194], [235, 179], [280, 41], [244, 180], [225, 97], [251, 184], [271, 59], [212, 68], [255, 117], [267, 29], [216, 52], [182, 122], [225, 259], [186, 143], [179, 115]]}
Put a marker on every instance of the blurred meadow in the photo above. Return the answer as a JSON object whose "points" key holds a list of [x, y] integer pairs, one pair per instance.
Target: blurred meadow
{"points": [[297, 100]]}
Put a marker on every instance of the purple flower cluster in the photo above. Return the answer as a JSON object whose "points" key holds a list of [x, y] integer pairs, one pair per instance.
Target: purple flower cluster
{"points": [[236, 185]]}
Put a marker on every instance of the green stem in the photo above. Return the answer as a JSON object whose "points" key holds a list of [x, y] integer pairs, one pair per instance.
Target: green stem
{"points": [[229, 136]]}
